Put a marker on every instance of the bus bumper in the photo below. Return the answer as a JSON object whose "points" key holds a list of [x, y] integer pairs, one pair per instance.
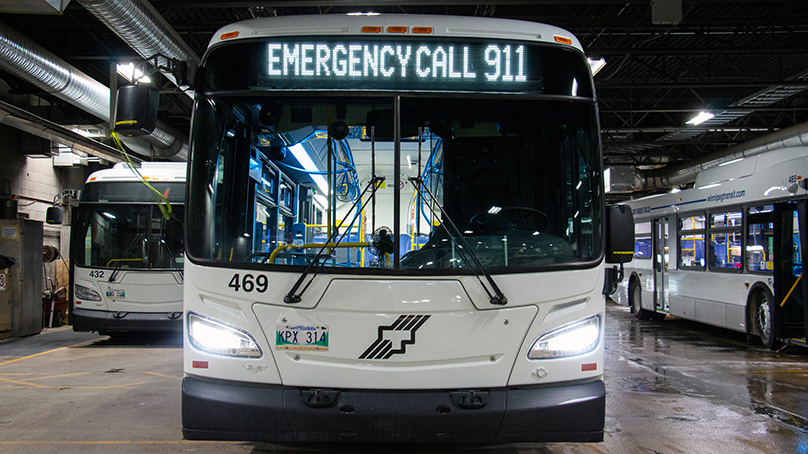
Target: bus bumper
{"points": [[104, 321], [225, 410]]}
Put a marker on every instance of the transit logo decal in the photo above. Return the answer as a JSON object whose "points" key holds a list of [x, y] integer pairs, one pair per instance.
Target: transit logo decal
{"points": [[400, 334], [718, 198]]}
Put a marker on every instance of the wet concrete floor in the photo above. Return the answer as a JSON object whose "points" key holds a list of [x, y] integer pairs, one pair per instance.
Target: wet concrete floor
{"points": [[672, 387]]}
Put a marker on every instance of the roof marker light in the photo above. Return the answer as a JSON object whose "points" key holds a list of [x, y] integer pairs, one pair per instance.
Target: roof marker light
{"points": [[562, 39], [229, 35], [396, 29], [371, 29], [422, 30]]}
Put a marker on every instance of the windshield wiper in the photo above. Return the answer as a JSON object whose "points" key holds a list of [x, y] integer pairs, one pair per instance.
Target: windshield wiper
{"points": [[497, 297], [171, 256], [125, 254], [291, 297]]}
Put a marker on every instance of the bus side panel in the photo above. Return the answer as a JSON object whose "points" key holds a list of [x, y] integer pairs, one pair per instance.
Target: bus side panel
{"points": [[682, 306]]}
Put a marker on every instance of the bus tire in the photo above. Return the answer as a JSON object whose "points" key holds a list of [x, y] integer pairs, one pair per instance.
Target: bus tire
{"points": [[762, 317], [635, 298]]}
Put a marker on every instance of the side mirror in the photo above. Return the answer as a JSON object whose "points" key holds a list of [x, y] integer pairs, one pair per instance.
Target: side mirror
{"points": [[54, 215], [619, 234], [136, 110]]}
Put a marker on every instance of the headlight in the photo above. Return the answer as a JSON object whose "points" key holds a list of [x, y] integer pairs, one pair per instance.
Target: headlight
{"points": [[215, 337], [86, 294], [574, 339]]}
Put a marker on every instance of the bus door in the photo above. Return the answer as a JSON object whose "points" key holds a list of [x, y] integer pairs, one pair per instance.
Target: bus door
{"points": [[662, 259], [791, 314]]}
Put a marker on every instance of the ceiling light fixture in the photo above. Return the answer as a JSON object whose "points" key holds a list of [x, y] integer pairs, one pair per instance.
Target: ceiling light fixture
{"points": [[132, 74], [700, 118]]}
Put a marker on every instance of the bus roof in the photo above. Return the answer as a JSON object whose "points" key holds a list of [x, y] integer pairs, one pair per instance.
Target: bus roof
{"points": [[153, 171], [444, 26], [760, 178]]}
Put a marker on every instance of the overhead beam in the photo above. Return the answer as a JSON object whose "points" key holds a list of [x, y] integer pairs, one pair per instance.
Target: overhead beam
{"points": [[25, 121]]}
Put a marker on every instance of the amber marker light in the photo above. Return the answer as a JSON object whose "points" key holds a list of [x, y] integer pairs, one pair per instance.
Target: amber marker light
{"points": [[371, 29], [396, 29], [229, 35], [562, 39], [422, 30]]}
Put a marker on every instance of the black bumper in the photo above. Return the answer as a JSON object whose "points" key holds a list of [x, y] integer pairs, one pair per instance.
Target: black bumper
{"points": [[103, 321], [224, 410]]}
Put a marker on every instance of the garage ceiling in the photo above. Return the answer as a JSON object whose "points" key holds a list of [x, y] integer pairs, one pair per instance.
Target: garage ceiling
{"points": [[667, 60]]}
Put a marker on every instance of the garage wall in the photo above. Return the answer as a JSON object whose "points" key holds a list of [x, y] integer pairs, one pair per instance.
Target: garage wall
{"points": [[35, 181]]}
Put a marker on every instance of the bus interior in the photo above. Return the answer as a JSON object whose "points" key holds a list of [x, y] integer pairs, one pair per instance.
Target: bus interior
{"points": [[516, 180]]}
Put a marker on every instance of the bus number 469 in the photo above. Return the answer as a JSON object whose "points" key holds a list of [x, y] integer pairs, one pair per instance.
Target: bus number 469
{"points": [[248, 283]]}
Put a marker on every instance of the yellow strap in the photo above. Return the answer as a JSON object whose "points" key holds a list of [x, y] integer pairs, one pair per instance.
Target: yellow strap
{"points": [[282, 247], [123, 260], [792, 289]]}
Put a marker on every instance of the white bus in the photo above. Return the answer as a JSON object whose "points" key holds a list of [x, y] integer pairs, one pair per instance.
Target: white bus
{"points": [[126, 253], [355, 181], [727, 252]]}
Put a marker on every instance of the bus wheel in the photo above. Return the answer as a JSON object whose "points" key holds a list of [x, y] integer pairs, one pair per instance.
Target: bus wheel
{"points": [[764, 321], [635, 297]]}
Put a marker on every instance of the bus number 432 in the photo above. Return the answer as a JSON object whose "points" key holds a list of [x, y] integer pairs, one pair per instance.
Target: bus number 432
{"points": [[248, 283]]}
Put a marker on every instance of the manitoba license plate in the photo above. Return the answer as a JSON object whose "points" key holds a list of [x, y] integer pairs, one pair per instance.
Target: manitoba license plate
{"points": [[301, 337]]}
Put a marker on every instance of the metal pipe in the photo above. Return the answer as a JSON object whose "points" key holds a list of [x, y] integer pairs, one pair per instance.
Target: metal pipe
{"points": [[36, 65], [672, 176], [143, 29]]}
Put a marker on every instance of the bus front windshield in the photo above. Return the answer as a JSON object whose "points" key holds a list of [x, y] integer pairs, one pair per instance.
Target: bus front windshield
{"points": [[274, 179], [129, 236]]}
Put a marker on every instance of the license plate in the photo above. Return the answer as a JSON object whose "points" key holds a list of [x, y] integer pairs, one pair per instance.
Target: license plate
{"points": [[301, 337], [116, 293]]}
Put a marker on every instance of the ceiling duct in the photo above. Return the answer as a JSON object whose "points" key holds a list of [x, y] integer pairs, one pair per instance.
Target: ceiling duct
{"points": [[672, 176], [31, 62], [144, 30]]}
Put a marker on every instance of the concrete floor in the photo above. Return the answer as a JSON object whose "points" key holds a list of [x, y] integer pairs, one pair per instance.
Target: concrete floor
{"points": [[672, 387]]}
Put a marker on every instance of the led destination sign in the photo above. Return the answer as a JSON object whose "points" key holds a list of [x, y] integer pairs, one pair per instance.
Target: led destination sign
{"points": [[364, 61], [398, 65]]}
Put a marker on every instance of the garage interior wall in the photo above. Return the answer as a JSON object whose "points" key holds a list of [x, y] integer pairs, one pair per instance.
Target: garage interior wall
{"points": [[35, 181]]}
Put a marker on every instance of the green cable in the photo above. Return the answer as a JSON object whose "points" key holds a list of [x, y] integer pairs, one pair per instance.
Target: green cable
{"points": [[162, 202]]}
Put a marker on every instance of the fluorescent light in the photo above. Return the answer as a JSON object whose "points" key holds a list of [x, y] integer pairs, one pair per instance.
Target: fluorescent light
{"points": [[596, 65], [321, 200], [700, 118], [302, 156], [88, 133], [363, 14], [109, 215], [494, 209], [574, 91]]}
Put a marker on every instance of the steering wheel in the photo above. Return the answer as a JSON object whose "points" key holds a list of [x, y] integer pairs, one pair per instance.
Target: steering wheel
{"points": [[509, 218]]}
